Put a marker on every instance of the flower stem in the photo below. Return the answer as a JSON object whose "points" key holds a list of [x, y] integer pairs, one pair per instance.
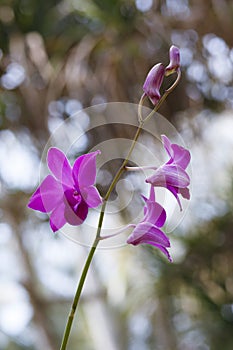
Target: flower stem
{"points": [[122, 168], [140, 118], [101, 217], [139, 168], [77, 296]]}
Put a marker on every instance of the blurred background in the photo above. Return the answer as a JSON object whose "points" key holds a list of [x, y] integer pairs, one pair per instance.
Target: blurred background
{"points": [[57, 57]]}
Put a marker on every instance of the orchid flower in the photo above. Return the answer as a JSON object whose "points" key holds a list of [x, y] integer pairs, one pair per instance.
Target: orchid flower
{"points": [[69, 192], [172, 174], [153, 83], [148, 229]]}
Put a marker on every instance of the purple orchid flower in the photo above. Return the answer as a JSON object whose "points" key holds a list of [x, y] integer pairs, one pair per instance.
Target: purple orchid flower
{"points": [[174, 64], [69, 192], [153, 83], [148, 229], [172, 174]]}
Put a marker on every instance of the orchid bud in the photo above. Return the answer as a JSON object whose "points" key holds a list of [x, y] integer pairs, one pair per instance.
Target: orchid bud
{"points": [[174, 64], [153, 82]]}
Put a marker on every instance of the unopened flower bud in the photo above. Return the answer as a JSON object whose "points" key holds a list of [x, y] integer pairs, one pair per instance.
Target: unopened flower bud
{"points": [[174, 64], [153, 82]]}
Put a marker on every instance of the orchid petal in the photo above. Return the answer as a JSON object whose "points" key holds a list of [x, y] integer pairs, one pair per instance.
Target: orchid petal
{"points": [[57, 218], [174, 191], [163, 250], [151, 198], [174, 64], [145, 232], [91, 196], [60, 166], [167, 145], [47, 196], [155, 214], [184, 193], [84, 170], [181, 156], [152, 194], [153, 82], [178, 154], [169, 175]]}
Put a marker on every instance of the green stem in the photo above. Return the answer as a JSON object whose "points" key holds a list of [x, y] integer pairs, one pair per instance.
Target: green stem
{"points": [[82, 280], [122, 168], [77, 296], [101, 217], [140, 118]]}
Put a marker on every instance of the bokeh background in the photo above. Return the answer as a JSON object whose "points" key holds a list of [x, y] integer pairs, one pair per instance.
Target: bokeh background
{"points": [[57, 57]]}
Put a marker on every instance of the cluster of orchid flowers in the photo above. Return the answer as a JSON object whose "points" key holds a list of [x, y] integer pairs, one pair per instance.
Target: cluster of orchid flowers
{"points": [[70, 191], [173, 176]]}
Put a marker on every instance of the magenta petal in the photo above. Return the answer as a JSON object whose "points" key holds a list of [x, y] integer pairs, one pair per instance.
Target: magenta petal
{"points": [[181, 156], [152, 194], [174, 191], [151, 241], [150, 199], [82, 211], [91, 196], [57, 218], [60, 166], [178, 154], [167, 145], [153, 82], [155, 214], [47, 196], [84, 170], [145, 232], [163, 250], [174, 63], [184, 193], [169, 175]]}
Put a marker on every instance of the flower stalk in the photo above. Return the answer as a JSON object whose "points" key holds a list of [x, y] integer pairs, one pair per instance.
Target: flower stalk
{"points": [[77, 296]]}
